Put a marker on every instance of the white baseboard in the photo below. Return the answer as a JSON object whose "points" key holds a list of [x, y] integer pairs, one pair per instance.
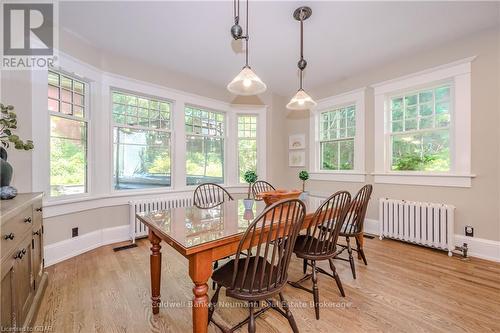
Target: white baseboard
{"points": [[478, 247], [69, 248], [72, 247]]}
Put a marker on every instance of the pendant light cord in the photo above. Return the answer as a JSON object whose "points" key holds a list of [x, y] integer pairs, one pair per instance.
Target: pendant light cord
{"points": [[246, 38], [236, 11], [301, 47]]}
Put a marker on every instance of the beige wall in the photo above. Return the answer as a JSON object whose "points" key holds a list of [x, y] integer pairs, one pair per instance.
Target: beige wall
{"points": [[58, 228], [476, 206], [15, 89]]}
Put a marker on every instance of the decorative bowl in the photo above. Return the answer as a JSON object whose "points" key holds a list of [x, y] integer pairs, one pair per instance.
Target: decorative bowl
{"points": [[275, 196]]}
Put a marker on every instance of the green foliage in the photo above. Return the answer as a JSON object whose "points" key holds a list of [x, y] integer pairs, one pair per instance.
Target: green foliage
{"points": [[67, 164], [303, 175], [8, 123], [413, 162], [421, 152], [250, 177]]}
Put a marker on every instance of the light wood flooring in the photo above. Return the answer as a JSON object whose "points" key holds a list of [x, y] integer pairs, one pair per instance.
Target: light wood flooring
{"points": [[404, 288]]}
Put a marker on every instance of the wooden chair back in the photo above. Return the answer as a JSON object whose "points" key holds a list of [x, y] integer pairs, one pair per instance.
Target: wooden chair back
{"points": [[324, 229], [209, 195], [354, 220], [264, 252], [261, 186]]}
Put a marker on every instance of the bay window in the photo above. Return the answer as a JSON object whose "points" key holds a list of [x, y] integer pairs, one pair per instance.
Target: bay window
{"points": [[247, 145], [205, 131], [68, 112], [141, 141]]}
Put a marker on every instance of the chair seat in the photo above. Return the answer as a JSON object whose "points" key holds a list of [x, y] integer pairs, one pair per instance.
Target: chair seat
{"points": [[224, 275], [305, 250]]}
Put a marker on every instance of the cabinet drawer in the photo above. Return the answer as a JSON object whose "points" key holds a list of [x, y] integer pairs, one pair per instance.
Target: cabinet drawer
{"points": [[14, 230]]}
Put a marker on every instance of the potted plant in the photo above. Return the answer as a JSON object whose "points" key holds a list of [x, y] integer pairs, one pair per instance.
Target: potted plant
{"points": [[8, 125], [250, 177], [304, 175]]}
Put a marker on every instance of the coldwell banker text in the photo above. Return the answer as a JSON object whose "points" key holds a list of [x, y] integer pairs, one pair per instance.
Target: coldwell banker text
{"points": [[28, 35]]}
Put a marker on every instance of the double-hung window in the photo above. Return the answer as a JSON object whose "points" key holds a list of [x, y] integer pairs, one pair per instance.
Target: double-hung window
{"points": [[141, 140], [423, 127], [68, 111], [205, 130], [247, 144], [419, 129], [337, 130]]}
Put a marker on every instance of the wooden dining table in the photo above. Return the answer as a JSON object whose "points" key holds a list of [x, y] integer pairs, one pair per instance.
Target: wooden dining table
{"points": [[202, 236]]}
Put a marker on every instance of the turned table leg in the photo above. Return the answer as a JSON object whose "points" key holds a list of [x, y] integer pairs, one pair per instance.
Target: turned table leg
{"points": [[155, 268], [200, 270], [361, 241]]}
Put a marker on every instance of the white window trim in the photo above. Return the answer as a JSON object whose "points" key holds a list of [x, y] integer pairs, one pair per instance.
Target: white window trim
{"points": [[226, 137], [100, 147], [260, 112], [459, 73], [88, 127], [358, 174]]}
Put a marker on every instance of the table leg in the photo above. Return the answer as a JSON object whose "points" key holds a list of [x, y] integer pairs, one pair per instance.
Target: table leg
{"points": [[155, 269], [200, 270], [361, 241]]}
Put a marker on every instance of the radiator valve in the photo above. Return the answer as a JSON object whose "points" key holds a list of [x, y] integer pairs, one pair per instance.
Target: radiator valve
{"points": [[463, 249]]}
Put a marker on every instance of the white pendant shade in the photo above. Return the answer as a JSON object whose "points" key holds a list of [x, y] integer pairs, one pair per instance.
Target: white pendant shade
{"points": [[301, 101], [246, 83]]}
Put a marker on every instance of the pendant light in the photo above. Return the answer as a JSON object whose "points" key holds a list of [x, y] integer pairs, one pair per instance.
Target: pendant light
{"points": [[301, 100], [246, 82]]}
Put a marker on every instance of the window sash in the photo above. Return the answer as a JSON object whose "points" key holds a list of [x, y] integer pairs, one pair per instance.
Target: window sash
{"points": [[338, 153], [150, 100], [434, 102], [119, 146]]}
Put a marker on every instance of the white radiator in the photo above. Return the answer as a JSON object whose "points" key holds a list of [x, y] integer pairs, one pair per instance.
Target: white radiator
{"points": [[423, 223], [137, 228]]}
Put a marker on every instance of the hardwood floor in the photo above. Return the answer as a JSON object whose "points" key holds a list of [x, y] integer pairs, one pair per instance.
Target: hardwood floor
{"points": [[404, 288]]}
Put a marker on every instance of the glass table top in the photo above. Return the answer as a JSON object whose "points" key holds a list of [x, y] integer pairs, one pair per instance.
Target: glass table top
{"points": [[193, 226]]}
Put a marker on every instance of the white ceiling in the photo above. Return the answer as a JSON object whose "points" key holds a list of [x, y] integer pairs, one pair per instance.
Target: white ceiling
{"points": [[341, 38]]}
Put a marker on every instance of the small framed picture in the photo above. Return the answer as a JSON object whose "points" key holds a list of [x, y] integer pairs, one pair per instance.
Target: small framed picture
{"points": [[297, 158], [297, 141]]}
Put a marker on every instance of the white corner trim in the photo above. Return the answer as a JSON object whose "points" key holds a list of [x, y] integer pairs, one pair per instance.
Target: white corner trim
{"points": [[426, 180], [72, 247], [478, 247], [357, 177]]}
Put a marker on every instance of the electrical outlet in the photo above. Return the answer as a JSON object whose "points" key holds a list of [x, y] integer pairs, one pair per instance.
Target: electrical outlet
{"points": [[469, 231], [74, 232]]}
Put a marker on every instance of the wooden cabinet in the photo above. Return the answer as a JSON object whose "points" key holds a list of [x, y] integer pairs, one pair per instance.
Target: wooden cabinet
{"points": [[22, 263], [8, 305]]}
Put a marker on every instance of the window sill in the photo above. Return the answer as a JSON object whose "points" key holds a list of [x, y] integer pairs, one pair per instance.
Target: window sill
{"points": [[340, 176], [441, 180], [56, 207]]}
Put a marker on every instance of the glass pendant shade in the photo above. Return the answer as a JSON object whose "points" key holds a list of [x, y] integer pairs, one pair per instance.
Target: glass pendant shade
{"points": [[301, 101], [246, 83]]}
